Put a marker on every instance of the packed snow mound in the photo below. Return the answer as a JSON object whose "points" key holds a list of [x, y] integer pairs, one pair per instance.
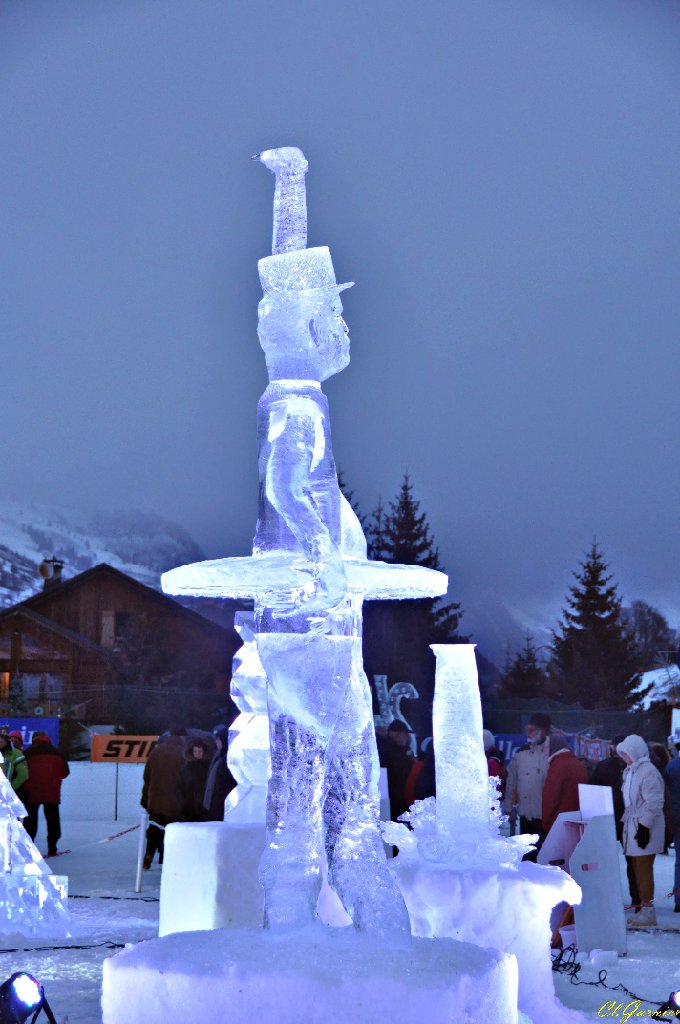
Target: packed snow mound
{"points": [[660, 684], [141, 544]]}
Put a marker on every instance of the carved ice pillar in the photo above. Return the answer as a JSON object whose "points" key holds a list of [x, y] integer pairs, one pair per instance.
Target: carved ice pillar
{"points": [[460, 763]]}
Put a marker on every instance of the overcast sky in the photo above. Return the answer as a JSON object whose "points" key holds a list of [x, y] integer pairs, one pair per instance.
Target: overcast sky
{"points": [[499, 178]]}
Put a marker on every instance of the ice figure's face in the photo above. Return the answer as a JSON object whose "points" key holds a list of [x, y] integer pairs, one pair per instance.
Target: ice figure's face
{"points": [[303, 334], [330, 336]]}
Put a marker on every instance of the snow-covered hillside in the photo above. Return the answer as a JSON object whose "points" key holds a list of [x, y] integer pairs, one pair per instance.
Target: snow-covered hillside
{"points": [[138, 543]]}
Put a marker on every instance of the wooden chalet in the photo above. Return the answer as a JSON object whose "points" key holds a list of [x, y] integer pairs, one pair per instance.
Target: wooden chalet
{"points": [[67, 646]]}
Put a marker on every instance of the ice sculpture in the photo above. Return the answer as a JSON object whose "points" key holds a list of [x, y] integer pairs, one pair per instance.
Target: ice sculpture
{"points": [[309, 576], [249, 757], [460, 878], [32, 900], [461, 826]]}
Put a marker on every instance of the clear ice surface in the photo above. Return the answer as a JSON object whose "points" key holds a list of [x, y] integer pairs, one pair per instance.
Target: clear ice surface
{"points": [[32, 900], [460, 828], [290, 200], [249, 758], [309, 576]]}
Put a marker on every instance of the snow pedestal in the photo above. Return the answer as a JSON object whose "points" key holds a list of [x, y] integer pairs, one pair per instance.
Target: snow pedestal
{"points": [[314, 976], [507, 910], [210, 877]]}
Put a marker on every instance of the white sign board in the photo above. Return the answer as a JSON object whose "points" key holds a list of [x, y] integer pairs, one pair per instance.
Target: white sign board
{"points": [[675, 725], [595, 800]]}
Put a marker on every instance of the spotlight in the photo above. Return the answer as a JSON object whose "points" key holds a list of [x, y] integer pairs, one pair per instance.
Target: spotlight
{"points": [[20, 996], [671, 1008]]}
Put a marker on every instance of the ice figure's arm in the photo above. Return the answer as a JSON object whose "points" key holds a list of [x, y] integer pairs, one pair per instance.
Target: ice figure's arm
{"points": [[296, 444], [352, 540]]}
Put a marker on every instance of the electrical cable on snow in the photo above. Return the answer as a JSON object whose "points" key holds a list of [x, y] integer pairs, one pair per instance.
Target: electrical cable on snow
{"points": [[94, 896], [565, 962], [107, 944]]}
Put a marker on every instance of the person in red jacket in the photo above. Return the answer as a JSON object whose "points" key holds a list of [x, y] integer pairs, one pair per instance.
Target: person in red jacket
{"points": [[47, 768], [560, 789]]}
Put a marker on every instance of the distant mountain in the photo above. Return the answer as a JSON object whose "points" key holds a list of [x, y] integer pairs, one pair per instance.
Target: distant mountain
{"points": [[141, 544]]}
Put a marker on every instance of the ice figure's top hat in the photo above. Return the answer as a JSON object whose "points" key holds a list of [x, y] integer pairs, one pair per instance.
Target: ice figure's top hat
{"points": [[293, 267], [299, 270]]}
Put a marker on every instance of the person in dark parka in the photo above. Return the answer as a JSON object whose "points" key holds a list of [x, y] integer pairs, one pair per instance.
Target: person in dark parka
{"points": [[398, 760], [672, 777], [47, 768], [220, 781], [159, 791], [192, 779]]}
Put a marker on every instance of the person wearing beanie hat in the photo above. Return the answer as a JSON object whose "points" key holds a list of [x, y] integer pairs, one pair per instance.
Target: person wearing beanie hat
{"points": [[17, 739], [47, 768], [13, 763], [526, 775], [560, 790], [643, 821]]}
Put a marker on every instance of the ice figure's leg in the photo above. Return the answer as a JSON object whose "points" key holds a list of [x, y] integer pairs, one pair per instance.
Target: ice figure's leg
{"points": [[307, 680], [290, 869], [357, 866]]}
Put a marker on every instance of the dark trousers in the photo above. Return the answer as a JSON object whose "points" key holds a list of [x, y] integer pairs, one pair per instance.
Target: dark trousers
{"points": [[632, 882], [51, 812], [155, 836], [527, 826]]}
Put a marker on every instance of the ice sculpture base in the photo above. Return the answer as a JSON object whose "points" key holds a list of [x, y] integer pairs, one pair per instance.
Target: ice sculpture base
{"points": [[256, 576], [225, 892], [317, 976], [506, 910]]}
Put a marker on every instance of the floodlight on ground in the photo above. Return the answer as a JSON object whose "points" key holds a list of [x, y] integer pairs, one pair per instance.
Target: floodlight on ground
{"points": [[670, 1009], [22, 996]]}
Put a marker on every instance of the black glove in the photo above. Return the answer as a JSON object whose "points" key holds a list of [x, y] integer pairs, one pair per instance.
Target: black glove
{"points": [[642, 836]]}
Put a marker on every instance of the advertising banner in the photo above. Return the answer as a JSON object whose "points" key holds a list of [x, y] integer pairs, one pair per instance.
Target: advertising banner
{"points": [[27, 726], [122, 749]]}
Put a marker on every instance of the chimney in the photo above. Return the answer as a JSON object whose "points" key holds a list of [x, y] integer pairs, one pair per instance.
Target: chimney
{"points": [[50, 570]]}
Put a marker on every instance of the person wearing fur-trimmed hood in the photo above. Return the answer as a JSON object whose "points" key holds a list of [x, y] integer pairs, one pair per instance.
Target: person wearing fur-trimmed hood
{"points": [[643, 821]]}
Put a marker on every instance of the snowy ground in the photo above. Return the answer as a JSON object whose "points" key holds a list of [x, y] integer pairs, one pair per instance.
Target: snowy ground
{"points": [[106, 911]]}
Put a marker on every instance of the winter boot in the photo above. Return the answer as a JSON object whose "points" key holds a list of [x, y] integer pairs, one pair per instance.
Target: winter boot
{"points": [[645, 919]]}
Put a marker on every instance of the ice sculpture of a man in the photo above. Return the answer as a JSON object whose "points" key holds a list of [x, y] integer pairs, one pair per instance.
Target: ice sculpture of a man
{"points": [[323, 793]]}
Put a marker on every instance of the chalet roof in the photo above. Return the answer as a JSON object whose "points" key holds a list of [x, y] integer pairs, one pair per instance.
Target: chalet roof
{"points": [[19, 611], [65, 588]]}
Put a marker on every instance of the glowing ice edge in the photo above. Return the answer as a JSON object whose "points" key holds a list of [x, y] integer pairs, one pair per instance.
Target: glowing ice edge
{"points": [[256, 576]]}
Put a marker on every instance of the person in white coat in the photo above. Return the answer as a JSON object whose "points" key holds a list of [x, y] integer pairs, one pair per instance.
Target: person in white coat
{"points": [[643, 821]]}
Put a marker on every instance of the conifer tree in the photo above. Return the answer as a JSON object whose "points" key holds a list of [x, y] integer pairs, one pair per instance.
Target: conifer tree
{"points": [[655, 641], [524, 676], [397, 634], [594, 655]]}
